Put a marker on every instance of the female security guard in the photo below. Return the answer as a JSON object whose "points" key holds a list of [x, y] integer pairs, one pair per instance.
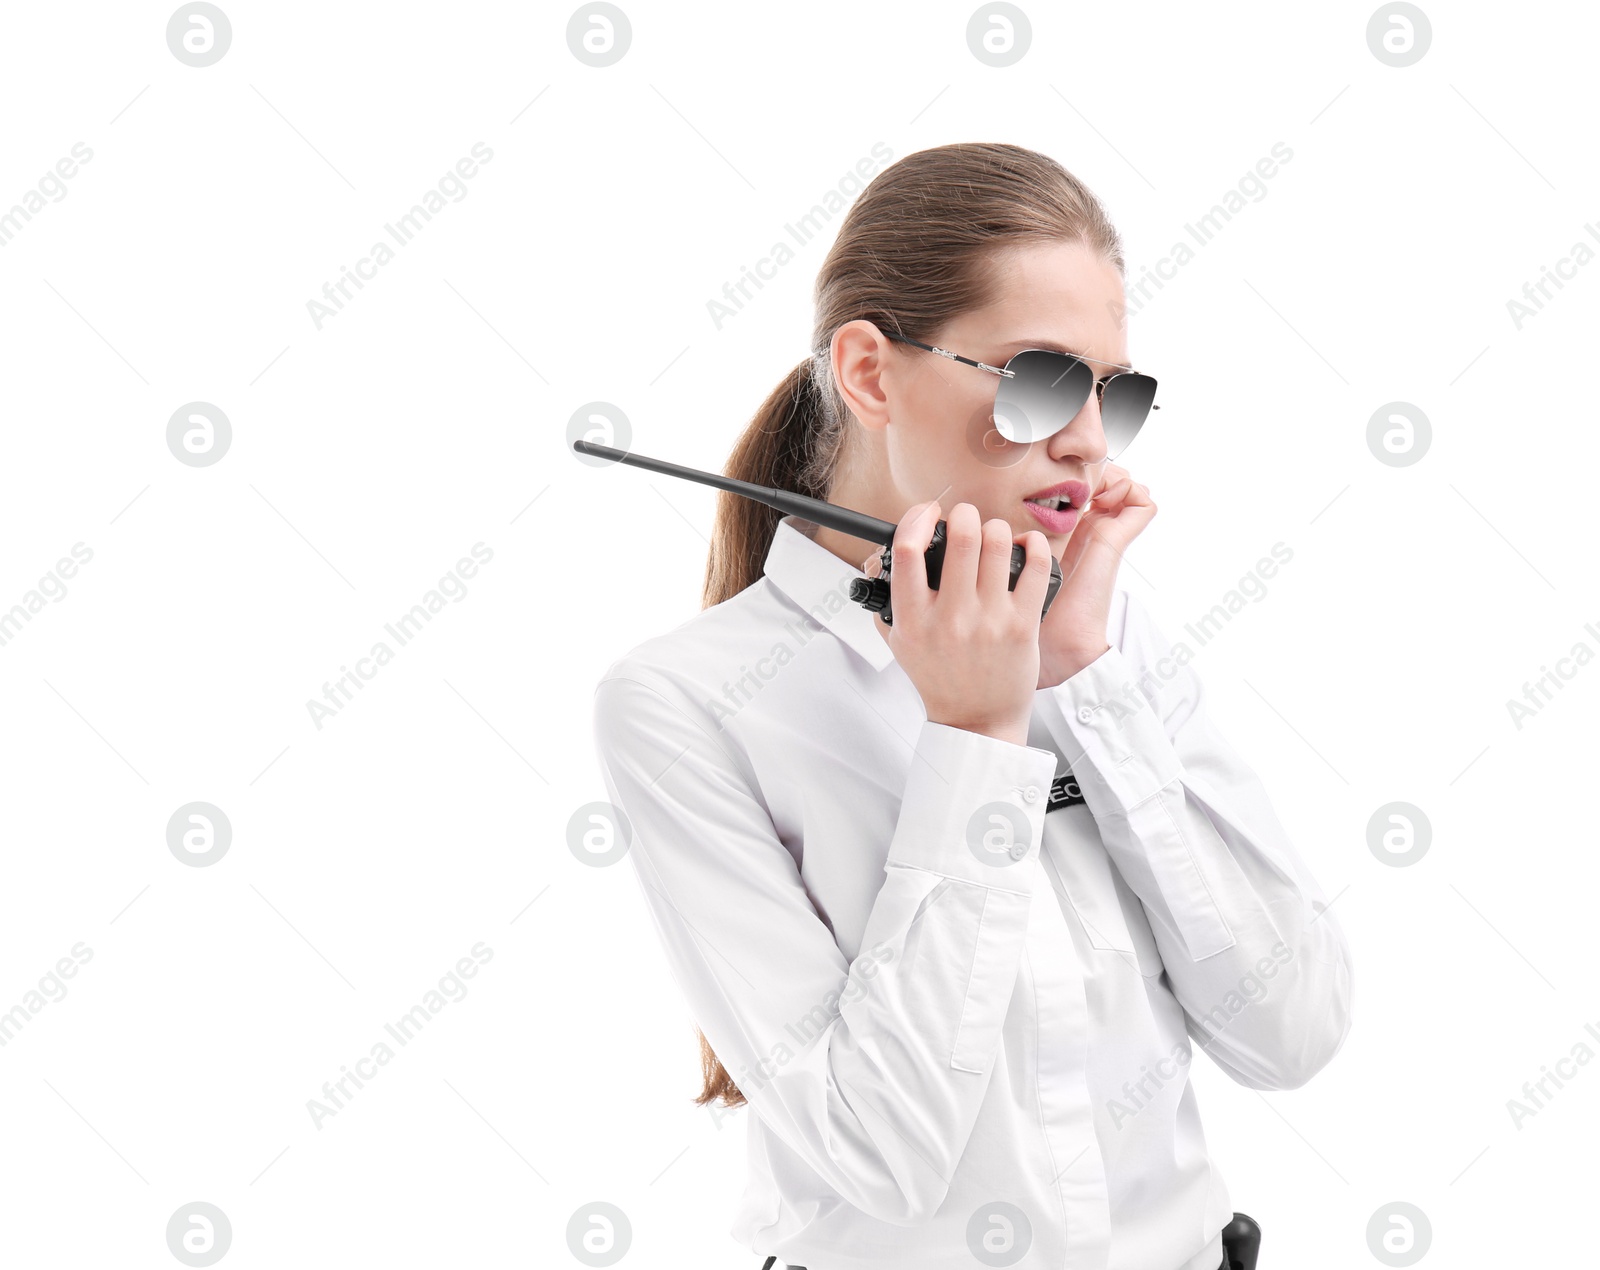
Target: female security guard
{"points": [[949, 899]]}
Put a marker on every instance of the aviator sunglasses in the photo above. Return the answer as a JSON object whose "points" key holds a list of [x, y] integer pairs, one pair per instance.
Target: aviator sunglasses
{"points": [[1040, 392]]}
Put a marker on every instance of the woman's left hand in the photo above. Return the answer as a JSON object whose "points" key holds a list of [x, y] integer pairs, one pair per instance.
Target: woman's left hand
{"points": [[1073, 632]]}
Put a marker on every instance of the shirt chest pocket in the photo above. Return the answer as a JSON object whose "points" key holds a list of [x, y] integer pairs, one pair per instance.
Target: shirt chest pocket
{"points": [[1086, 882]]}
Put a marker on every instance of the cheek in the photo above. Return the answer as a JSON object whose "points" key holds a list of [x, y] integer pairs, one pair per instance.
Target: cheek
{"points": [[952, 422], [927, 465], [949, 397], [925, 437]]}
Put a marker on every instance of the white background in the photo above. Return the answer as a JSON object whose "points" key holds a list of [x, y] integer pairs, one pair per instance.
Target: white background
{"points": [[431, 813]]}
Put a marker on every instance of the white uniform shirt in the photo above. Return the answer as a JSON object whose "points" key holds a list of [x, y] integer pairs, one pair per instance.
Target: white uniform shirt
{"points": [[957, 997]]}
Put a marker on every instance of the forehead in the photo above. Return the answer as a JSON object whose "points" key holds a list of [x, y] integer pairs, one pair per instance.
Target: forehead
{"points": [[1060, 296]]}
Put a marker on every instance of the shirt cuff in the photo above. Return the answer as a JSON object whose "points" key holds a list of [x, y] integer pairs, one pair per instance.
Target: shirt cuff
{"points": [[973, 808], [1123, 747]]}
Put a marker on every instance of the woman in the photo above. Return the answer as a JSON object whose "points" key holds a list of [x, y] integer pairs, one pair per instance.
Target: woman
{"points": [[949, 897]]}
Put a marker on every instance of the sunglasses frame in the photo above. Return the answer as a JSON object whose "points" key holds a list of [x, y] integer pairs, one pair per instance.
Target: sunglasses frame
{"points": [[1099, 384]]}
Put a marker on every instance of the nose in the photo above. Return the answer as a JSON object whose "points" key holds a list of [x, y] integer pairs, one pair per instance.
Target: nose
{"points": [[1084, 439]]}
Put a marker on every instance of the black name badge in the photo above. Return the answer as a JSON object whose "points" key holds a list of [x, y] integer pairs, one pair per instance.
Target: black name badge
{"points": [[1064, 792]]}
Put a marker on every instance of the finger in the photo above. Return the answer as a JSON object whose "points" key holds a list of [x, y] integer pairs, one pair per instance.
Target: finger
{"points": [[1034, 581], [1130, 495], [963, 544], [994, 563], [908, 583], [1112, 493], [1113, 473]]}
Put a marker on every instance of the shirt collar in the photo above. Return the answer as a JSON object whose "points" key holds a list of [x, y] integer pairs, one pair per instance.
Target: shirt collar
{"points": [[819, 582]]}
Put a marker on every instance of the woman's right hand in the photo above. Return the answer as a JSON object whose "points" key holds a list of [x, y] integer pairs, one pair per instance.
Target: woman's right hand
{"points": [[971, 647]]}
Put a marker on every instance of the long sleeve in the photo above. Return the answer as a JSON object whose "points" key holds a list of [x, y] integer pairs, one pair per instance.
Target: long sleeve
{"points": [[872, 1070], [1258, 963]]}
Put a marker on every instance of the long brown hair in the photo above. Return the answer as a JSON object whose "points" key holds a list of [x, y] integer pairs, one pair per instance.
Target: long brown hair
{"points": [[912, 253]]}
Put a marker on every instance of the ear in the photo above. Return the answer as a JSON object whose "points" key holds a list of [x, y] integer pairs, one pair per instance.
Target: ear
{"points": [[862, 360]]}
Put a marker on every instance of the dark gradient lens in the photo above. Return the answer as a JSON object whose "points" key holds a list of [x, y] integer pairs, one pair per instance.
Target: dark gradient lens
{"points": [[1044, 395], [1124, 405]]}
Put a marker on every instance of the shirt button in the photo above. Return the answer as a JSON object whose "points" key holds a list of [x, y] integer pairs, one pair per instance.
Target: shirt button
{"points": [[1018, 850], [1085, 714], [1031, 794]]}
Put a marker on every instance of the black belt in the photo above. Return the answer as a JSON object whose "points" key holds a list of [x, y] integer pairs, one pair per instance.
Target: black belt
{"points": [[1223, 1265], [1241, 1242]]}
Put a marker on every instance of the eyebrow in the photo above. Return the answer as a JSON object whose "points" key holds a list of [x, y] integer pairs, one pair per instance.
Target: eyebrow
{"points": [[1054, 346]]}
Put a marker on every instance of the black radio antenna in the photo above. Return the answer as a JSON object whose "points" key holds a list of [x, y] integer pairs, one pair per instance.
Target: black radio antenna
{"points": [[828, 515]]}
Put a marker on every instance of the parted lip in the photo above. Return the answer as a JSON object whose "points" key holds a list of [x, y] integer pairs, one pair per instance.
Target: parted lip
{"points": [[1076, 492]]}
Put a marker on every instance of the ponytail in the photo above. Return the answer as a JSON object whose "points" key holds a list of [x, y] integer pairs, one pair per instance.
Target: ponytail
{"points": [[784, 447]]}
